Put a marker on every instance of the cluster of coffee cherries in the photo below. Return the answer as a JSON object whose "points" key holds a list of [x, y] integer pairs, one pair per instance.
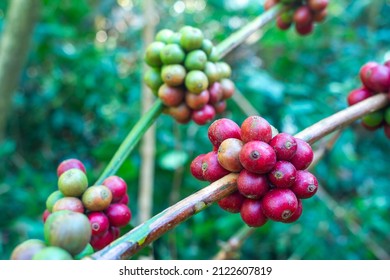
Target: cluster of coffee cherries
{"points": [[272, 178], [375, 78], [300, 13], [79, 219], [186, 75]]}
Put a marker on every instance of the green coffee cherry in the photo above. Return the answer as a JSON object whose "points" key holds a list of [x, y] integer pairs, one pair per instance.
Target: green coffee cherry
{"points": [[196, 81], [174, 74], [191, 39], [195, 60], [172, 54], [164, 35], [152, 54], [152, 78]]}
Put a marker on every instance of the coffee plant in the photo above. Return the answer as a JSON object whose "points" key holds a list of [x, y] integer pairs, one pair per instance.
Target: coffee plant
{"points": [[263, 176]]}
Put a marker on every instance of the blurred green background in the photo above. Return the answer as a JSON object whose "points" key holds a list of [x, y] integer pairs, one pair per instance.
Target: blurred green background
{"points": [[80, 93]]}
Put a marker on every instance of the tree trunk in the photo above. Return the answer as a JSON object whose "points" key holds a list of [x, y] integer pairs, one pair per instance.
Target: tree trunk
{"points": [[14, 44]]}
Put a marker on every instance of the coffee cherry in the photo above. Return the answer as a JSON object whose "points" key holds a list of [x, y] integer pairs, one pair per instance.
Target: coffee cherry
{"points": [[173, 74], [52, 253], [171, 96], [257, 157], [303, 156], [373, 119], [164, 35], [45, 215], [279, 204], [70, 164], [196, 81], [196, 167], [305, 185], [68, 230], [52, 199], [125, 199], [211, 168], [220, 106], [216, 93], [117, 186], [172, 54], [27, 249], [222, 129], [211, 71], [191, 38], [320, 16], [73, 182], [370, 128], [256, 128], [207, 46], [297, 214], [68, 203], [99, 222], [303, 16], [97, 198], [317, 5], [228, 154], [116, 232], [224, 69], [284, 146], [118, 214], [101, 241], [232, 203], [228, 88], [152, 78], [304, 29], [152, 54], [197, 101], [282, 24], [203, 115], [358, 95], [195, 60], [252, 213], [252, 185], [283, 174], [181, 113], [375, 76]]}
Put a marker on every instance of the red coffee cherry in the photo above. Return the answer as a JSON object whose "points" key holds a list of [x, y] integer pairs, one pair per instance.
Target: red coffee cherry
{"points": [[303, 16], [252, 213], [232, 203], [220, 107], [297, 214], [70, 164], [212, 170], [284, 145], [203, 115], [283, 174], [252, 185], [304, 29], [256, 128], [228, 88], [317, 5], [228, 154], [303, 156], [257, 157], [279, 204], [196, 167], [116, 232], [117, 186], [375, 76], [223, 129], [118, 214], [197, 101], [358, 95], [98, 242], [99, 222], [216, 92], [171, 96], [306, 184], [124, 199], [181, 113]]}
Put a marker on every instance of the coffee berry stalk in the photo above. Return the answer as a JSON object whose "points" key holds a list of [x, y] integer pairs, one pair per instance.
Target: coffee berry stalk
{"points": [[375, 79], [186, 75], [272, 179], [79, 219], [302, 14]]}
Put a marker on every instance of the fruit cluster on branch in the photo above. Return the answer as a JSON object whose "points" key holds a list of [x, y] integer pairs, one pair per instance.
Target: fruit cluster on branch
{"points": [[79, 219], [303, 14], [186, 74], [272, 178], [375, 78]]}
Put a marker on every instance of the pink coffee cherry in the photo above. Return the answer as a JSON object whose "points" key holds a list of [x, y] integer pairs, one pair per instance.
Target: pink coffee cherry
{"points": [[99, 222], [252, 213], [256, 128], [305, 185], [117, 186], [118, 214], [279, 204]]}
